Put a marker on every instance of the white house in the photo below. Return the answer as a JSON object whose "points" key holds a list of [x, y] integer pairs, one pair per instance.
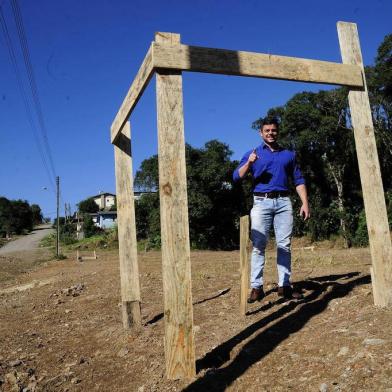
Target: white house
{"points": [[105, 200]]}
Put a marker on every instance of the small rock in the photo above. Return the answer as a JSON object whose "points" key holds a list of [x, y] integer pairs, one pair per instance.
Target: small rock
{"points": [[11, 378], [15, 363], [343, 351], [196, 328], [123, 352], [68, 311], [373, 342], [141, 389], [76, 380], [323, 387]]}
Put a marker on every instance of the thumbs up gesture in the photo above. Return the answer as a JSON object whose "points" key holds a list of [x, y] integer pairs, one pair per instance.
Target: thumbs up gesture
{"points": [[252, 157]]}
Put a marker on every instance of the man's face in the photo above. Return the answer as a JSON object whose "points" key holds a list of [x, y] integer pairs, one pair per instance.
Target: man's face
{"points": [[269, 133]]}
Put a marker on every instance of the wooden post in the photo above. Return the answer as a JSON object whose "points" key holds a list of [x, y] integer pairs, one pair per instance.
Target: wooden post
{"points": [[244, 263], [369, 169], [129, 270], [176, 267]]}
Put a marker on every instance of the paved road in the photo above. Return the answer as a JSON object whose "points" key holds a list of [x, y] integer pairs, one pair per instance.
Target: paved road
{"points": [[27, 242]]}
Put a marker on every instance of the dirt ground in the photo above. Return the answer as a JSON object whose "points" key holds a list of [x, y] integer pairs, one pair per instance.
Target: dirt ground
{"points": [[61, 327]]}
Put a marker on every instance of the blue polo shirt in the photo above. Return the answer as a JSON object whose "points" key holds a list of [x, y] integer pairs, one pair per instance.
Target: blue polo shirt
{"points": [[272, 169]]}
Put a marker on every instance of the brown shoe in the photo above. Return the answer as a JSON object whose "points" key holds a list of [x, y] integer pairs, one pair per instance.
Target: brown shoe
{"points": [[256, 295], [288, 293]]}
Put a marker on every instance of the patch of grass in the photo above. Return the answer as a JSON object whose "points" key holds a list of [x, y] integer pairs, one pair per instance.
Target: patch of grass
{"points": [[48, 241], [107, 239]]}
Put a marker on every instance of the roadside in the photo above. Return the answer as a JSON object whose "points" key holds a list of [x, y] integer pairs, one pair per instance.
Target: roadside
{"points": [[24, 254], [27, 242]]}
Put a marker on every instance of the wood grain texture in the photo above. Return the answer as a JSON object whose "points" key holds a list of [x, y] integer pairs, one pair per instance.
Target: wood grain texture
{"points": [[230, 62], [131, 315], [167, 53], [126, 222], [176, 266], [145, 73], [369, 169], [244, 263]]}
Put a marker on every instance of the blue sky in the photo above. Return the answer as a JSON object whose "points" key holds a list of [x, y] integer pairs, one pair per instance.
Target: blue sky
{"points": [[86, 53]]}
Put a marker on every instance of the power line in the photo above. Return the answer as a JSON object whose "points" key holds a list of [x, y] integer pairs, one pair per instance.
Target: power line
{"points": [[32, 81], [24, 96]]}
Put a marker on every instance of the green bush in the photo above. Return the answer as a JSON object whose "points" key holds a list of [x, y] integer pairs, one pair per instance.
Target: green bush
{"points": [[89, 227], [361, 234]]}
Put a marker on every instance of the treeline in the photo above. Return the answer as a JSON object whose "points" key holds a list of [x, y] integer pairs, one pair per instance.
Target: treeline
{"points": [[316, 125], [18, 216]]}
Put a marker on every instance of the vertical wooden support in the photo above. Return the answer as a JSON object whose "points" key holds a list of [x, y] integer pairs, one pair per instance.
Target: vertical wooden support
{"points": [[244, 263], [126, 222], [176, 267], [369, 169]]}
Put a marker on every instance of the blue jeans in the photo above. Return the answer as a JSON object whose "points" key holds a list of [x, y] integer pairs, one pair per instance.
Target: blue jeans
{"points": [[264, 213]]}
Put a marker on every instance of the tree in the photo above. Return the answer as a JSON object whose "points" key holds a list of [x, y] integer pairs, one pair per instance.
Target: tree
{"points": [[214, 202], [88, 206], [89, 227], [37, 214], [22, 216], [5, 217]]}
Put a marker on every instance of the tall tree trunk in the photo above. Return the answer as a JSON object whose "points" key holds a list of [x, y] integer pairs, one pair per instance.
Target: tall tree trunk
{"points": [[337, 175]]}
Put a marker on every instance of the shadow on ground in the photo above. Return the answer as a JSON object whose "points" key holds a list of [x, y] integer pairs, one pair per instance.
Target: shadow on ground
{"points": [[289, 319], [160, 315]]}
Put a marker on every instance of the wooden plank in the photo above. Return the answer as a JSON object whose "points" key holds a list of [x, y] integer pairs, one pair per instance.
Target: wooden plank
{"points": [[244, 263], [126, 222], [145, 73], [369, 169], [377, 296], [231, 62], [176, 267]]}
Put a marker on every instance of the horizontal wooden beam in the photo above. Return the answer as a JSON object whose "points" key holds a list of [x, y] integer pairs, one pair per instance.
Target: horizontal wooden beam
{"points": [[145, 73], [231, 62]]}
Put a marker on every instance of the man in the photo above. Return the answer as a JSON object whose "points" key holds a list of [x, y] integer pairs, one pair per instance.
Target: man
{"points": [[271, 167]]}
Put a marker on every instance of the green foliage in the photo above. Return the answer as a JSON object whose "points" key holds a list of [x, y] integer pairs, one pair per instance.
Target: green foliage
{"points": [[148, 218], [37, 214], [214, 202], [5, 216], [88, 206], [48, 241], [61, 222], [17, 216], [89, 227], [361, 234], [383, 67], [68, 233]]}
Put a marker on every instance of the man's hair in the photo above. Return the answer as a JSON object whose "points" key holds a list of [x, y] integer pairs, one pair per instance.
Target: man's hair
{"points": [[268, 121]]}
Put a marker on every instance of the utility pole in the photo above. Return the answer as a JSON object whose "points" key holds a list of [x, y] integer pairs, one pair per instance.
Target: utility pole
{"points": [[58, 218]]}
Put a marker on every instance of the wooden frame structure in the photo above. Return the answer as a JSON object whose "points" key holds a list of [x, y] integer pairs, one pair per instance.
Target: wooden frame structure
{"points": [[167, 58], [80, 258]]}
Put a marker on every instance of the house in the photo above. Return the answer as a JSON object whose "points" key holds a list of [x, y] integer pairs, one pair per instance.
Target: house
{"points": [[104, 219], [138, 194], [105, 200]]}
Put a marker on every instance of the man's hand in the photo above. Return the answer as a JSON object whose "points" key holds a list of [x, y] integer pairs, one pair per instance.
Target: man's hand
{"points": [[252, 157], [304, 212], [251, 160]]}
